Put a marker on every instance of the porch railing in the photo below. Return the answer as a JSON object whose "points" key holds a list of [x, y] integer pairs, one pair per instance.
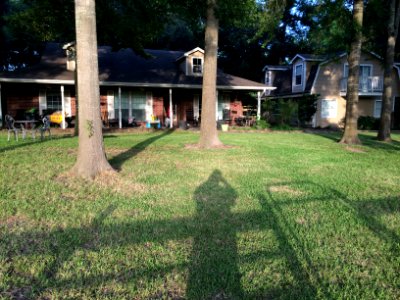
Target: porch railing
{"points": [[367, 85]]}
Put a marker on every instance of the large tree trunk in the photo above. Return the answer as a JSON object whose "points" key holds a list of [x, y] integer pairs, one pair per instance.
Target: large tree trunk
{"points": [[208, 131], [91, 156], [350, 135], [386, 113]]}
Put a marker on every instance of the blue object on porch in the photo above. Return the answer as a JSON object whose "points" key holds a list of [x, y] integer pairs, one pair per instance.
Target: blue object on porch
{"points": [[157, 123]]}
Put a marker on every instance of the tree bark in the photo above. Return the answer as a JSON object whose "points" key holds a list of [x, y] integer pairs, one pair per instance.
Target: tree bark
{"points": [[350, 135], [91, 159], [208, 130], [386, 112]]}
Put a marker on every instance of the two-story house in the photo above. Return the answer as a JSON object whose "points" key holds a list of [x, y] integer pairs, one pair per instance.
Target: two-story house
{"points": [[165, 84], [326, 76]]}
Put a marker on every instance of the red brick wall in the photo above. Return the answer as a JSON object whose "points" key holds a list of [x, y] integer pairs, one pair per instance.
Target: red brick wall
{"points": [[158, 108], [15, 103], [236, 109]]}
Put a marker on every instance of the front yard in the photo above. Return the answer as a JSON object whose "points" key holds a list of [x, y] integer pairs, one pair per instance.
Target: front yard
{"points": [[275, 216]]}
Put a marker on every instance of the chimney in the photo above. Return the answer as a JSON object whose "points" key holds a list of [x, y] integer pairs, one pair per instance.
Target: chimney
{"points": [[70, 52]]}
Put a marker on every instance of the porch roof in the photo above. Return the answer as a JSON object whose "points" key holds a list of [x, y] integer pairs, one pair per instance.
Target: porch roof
{"points": [[125, 68]]}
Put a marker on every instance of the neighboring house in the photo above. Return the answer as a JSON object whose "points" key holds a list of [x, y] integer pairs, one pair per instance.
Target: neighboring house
{"points": [[164, 84], [326, 76]]}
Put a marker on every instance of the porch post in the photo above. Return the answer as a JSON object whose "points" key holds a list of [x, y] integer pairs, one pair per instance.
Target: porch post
{"points": [[171, 110], [62, 108], [119, 107], [1, 111], [258, 105]]}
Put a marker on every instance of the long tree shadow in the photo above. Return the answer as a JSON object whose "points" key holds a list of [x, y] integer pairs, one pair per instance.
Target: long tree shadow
{"points": [[213, 269], [288, 242], [118, 160], [214, 257]]}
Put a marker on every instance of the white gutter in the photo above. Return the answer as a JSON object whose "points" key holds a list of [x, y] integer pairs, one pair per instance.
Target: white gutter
{"points": [[128, 84]]}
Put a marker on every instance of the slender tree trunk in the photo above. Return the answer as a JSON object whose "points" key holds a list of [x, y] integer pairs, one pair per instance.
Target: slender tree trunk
{"points": [[386, 113], [350, 135], [91, 159], [208, 131]]}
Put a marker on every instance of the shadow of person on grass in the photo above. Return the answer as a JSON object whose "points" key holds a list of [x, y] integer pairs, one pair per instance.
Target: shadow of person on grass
{"points": [[213, 268]]}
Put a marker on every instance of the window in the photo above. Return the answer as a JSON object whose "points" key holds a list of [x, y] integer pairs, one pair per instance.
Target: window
{"points": [[133, 105], [197, 65], [268, 77], [328, 109], [365, 71], [224, 107], [53, 101], [298, 74], [377, 108]]}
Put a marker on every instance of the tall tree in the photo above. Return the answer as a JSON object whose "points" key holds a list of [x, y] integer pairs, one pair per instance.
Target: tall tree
{"points": [[392, 33], [91, 159], [350, 135], [208, 131]]}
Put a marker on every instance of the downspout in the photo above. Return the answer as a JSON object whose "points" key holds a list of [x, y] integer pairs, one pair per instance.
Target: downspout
{"points": [[171, 111], [258, 105], [119, 107]]}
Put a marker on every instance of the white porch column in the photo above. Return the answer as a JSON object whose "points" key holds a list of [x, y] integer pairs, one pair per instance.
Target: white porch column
{"points": [[63, 122], [258, 105], [1, 112], [119, 107], [171, 110]]}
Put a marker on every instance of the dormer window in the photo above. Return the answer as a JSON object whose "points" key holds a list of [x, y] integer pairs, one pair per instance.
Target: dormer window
{"points": [[197, 65], [298, 74], [268, 77]]}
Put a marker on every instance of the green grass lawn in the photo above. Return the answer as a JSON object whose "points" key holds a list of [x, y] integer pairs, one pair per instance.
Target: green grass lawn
{"points": [[275, 216]]}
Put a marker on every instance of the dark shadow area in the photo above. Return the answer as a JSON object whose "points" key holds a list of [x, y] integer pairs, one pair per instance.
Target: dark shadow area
{"points": [[118, 160], [213, 269], [21, 143], [372, 142], [369, 141], [214, 260]]}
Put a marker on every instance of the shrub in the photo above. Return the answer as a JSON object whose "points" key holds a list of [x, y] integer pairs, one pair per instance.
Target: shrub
{"points": [[262, 124], [367, 123]]}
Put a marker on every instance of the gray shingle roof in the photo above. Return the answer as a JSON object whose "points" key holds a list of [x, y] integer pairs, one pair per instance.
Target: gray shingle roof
{"points": [[126, 67]]}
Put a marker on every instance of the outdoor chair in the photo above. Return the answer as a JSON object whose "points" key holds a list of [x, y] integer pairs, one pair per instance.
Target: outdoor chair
{"points": [[45, 127], [32, 129], [11, 127]]}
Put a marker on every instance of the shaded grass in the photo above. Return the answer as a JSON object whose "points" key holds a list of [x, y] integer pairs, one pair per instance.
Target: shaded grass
{"points": [[278, 216]]}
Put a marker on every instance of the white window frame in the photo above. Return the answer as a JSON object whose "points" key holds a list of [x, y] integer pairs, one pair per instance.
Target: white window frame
{"points": [[201, 71], [378, 115], [302, 74], [361, 65], [332, 115], [268, 78], [53, 93]]}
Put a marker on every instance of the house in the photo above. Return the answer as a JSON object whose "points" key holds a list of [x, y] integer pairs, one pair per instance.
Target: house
{"points": [[158, 85], [326, 76]]}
